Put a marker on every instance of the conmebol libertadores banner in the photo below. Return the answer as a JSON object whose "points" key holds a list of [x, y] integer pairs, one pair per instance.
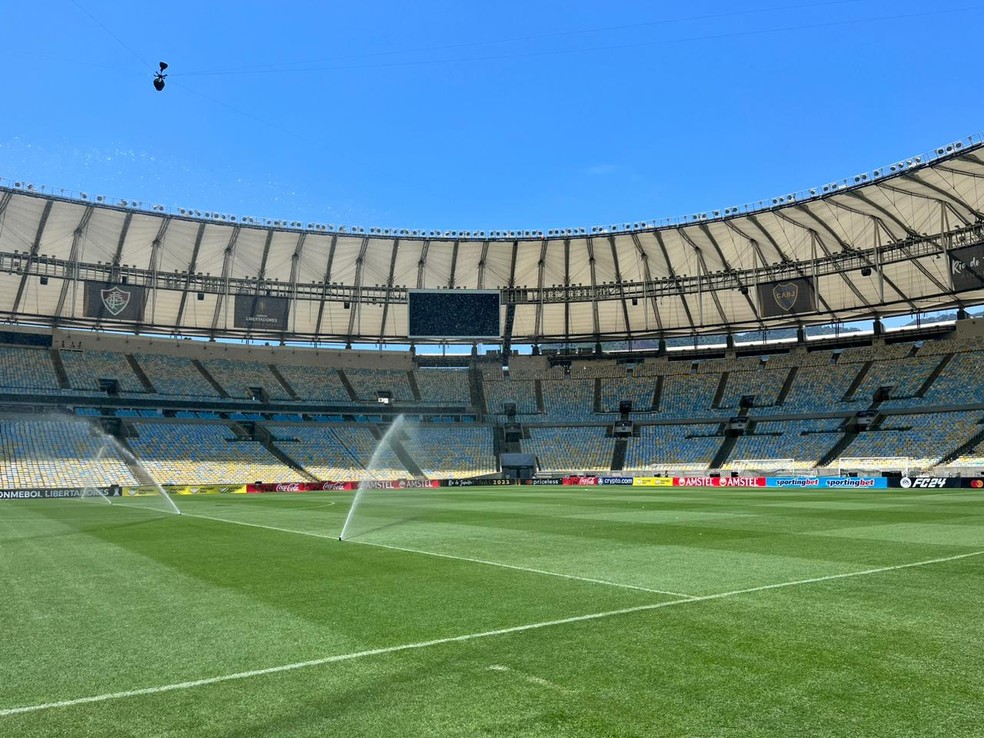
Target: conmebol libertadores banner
{"points": [[261, 312]]}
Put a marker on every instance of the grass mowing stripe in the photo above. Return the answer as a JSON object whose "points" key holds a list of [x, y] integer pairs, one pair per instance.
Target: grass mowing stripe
{"points": [[456, 558], [528, 569], [461, 638], [264, 527]]}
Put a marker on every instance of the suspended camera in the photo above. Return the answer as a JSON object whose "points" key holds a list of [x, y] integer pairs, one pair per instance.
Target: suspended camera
{"points": [[159, 77]]}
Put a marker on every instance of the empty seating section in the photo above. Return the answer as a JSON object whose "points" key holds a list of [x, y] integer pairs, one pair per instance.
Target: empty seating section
{"points": [[798, 358], [568, 399], [974, 456], [175, 375], [490, 371], [638, 390], [689, 396], [315, 383], [460, 451], [923, 437], [86, 368], [803, 441], [58, 453], [522, 393], [600, 368], [236, 377], [204, 453], [716, 366], [367, 382], [338, 453], [661, 367], [570, 449], [905, 376], [534, 367], [443, 386], [961, 382], [952, 346], [764, 384], [27, 369], [820, 388], [670, 447]]}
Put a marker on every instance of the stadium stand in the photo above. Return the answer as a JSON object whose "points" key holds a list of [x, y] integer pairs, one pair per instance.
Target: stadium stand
{"points": [[204, 453], [672, 447], [578, 449], [237, 377], [315, 383], [86, 368], [175, 375], [568, 399], [58, 453], [440, 386], [317, 411], [25, 368]]}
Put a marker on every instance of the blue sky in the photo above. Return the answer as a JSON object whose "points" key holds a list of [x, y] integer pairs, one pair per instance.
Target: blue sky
{"points": [[456, 115]]}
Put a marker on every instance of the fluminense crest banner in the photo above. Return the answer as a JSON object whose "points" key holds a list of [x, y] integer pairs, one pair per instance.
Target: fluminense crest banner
{"points": [[114, 301], [788, 297]]}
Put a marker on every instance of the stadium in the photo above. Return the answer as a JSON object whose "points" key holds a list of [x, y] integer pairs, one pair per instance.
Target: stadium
{"points": [[683, 450], [202, 343]]}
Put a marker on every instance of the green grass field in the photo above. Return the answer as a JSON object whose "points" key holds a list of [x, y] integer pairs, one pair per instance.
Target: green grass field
{"points": [[497, 612]]}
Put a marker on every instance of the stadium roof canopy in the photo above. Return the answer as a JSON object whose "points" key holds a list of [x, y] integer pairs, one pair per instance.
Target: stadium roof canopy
{"points": [[897, 240]]}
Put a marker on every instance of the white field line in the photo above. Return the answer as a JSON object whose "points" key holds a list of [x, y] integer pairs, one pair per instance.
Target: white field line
{"points": [[528, 569], [461, 638]]}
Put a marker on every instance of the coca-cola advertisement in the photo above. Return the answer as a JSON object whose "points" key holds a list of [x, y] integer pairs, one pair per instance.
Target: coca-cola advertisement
{"points": [[300, 487], [347, 486]]}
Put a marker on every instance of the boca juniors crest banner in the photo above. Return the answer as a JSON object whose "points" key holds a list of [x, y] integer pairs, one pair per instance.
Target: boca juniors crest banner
{"points": [[114, 301], [788, 297]]}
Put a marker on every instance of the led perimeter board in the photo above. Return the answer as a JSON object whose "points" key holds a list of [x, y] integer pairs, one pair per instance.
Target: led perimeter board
{"points": [[471, 314]]}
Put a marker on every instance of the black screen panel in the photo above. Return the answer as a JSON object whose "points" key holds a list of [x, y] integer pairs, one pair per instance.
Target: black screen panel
{"points": [[454, 314]]}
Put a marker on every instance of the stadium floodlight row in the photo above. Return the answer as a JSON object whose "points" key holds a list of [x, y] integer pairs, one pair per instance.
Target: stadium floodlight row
{"points": [[903, 239]]}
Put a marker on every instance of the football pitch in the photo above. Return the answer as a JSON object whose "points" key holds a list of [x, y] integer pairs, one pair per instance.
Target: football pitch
{"points": [[497, 611]]}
